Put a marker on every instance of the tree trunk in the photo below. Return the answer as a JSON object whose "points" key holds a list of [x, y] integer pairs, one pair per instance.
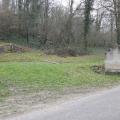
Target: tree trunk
{"points": [[45, 26], [88, 8], [117, 18], [111, 27], [20, 3]]}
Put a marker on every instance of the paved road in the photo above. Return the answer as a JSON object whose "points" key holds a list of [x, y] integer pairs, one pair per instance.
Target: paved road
{"points": [[100, 106]]}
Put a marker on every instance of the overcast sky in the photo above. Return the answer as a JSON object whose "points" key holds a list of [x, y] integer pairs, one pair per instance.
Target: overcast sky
{"points": [[65, 2], [76, 2]]}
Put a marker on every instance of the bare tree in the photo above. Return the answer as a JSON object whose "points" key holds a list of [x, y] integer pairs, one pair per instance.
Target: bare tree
{"points": [[113, 6], [99, 18], [45, 23]]}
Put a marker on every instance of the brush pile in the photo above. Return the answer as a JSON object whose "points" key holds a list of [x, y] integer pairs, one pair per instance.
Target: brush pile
{"points": [[98, 69], [10, 48]]}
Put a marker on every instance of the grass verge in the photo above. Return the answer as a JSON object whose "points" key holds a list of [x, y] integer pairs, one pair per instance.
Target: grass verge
{"points": [[35, 71]]}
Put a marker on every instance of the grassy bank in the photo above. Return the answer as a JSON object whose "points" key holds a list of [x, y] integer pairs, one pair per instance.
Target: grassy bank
{"points": [[36, 71]]}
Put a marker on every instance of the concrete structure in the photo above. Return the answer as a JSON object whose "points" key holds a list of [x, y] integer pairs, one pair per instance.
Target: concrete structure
{"points": [[112, 62]]}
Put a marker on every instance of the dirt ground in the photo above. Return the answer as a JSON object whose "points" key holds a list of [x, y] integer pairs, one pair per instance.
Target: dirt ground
{"points": [[19, 104]]}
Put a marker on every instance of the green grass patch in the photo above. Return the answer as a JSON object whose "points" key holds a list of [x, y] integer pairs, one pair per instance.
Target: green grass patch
{"points": [[32, 71]]}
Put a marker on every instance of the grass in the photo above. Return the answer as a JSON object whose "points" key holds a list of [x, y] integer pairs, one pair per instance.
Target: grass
{"points": [[34, 71]]}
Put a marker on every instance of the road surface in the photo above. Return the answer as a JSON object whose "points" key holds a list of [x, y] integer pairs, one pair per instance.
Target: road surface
{"points": [[100, 106]]}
